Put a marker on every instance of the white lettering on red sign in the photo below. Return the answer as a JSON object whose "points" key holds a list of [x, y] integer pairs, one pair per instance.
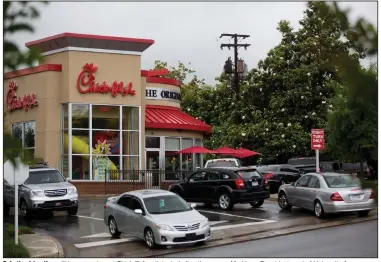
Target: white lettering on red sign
{"points": [[317, 139]]}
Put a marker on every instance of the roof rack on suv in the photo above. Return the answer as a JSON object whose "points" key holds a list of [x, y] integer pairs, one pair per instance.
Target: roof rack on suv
{"points": [[41, 164]]}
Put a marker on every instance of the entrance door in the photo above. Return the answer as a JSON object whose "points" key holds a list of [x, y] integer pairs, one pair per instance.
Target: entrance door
{"points": [[152, 179]]}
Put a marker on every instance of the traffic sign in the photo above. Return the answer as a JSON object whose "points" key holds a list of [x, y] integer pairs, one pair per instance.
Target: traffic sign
{"points": [[317, 139]]}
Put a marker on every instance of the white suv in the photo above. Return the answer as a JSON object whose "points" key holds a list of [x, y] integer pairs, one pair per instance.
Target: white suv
{"points": [[223, 162], [45, 189]]}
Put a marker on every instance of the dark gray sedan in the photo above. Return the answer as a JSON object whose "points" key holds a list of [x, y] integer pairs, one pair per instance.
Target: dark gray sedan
{"points": [[326, 193]]}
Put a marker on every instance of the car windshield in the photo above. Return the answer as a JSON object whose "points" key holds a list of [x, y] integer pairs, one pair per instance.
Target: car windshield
{"points": [[44, 177], [248, 174], [166, 204], [342, 181], [222, 164]]}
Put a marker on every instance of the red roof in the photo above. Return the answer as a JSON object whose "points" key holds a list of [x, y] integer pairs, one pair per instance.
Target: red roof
{"points": [[168, 117]]}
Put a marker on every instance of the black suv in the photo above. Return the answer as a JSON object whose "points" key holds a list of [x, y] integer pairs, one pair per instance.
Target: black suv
{"points": [[225, 186]]}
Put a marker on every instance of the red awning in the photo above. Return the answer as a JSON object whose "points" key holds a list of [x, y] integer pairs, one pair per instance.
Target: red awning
{"points": [[196, 150], [167, 117]]}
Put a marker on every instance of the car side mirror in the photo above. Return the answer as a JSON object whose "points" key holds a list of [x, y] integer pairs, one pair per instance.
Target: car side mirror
{"points": [[138, 211], [293, 184], [190, 180], [68, 179], [192, 205]]}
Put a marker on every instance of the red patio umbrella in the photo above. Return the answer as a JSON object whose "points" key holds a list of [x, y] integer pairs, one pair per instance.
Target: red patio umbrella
{"points": [[226, 151], [242, 152], [196, 150]]}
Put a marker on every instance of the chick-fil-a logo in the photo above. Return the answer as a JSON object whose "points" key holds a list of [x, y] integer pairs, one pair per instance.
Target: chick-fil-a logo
{"points": [[86, 84], [15, 103]]}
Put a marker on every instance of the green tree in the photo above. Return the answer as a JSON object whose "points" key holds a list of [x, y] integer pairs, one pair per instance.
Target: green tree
{"points": [[17, 17]]}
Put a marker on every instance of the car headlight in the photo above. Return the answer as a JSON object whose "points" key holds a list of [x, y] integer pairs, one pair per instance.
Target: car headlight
{"points": [[37, 193], [163, 227], [72, 190], [204, 223]]}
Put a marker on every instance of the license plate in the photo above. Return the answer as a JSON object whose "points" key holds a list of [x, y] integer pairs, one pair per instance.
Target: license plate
{"points": [[190, 236], [356, 197], [58, 204], [254, 183]]}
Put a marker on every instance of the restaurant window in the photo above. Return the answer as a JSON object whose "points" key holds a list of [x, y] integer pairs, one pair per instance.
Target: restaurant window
{"points": [[101, 140], [152, 142], [172, 158], [198, 157], [25, 133], [187, 159]]}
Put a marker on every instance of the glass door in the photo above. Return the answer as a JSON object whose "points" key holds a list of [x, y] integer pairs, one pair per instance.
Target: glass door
{"points": [[152, 179]]}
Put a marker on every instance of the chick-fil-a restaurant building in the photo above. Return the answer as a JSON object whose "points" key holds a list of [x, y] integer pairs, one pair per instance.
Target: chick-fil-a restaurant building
{"points": [[89, 107]]}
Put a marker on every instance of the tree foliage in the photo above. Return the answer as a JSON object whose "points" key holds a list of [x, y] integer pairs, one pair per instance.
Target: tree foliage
{"points": [[17, 17]]}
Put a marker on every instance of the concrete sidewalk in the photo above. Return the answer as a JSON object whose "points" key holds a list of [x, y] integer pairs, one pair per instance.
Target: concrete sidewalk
{"points": [[41, 246]]}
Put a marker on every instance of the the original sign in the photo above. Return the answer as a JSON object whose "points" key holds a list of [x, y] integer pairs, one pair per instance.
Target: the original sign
{"points": [[16, 103], [86, 84], [317, 139], [156, 93]]}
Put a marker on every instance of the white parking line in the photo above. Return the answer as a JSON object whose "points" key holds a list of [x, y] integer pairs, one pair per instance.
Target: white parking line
{"points": [[95, 218], [241, 225], [104, 242], [104, 235], [231, 215]]}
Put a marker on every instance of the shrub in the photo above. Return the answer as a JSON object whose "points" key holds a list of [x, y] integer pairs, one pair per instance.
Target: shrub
{"points": [[11, 250]]}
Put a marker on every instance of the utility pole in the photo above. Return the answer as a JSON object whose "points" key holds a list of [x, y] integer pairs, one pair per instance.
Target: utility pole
{"points": [[235, 46]]}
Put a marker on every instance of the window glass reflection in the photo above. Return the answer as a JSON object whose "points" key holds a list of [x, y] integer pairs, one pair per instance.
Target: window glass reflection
{"points": [[130, 120], [106, 166], [106, 142], [80, 116], [131, 143], [105, 117], [80, 167]]}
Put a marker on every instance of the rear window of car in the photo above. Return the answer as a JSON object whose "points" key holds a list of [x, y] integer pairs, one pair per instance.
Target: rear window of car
{"points": [[248, 174], [342, 181], [222, 164]]}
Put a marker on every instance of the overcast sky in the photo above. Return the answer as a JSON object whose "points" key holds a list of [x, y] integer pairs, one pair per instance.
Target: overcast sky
{"points": [[186, 32]]}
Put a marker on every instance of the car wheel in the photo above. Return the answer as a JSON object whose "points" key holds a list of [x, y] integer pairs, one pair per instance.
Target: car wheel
{"points": [[225, 201], [113, 228], [149, 238], [257, 203], [72, 211], [283, 201], [24, 212], [318, 209], [363, 213], [6, 209]]}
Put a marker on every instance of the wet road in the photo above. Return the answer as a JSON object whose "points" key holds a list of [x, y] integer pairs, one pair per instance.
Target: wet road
{"points": [[349, 241], [86, 235]]}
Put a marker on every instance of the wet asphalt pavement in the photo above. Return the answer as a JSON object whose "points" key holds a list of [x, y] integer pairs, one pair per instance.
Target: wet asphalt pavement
{"points": [[348, 241], [86, 235]]}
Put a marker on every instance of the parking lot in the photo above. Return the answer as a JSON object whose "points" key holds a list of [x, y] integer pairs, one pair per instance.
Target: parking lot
{"points": [[86, 235]]}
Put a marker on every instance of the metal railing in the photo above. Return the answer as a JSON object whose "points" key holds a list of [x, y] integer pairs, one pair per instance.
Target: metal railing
{"points": [[119, 181]]}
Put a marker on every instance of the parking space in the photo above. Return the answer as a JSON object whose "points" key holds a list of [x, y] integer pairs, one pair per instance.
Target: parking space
{"points": [[87, 235]]}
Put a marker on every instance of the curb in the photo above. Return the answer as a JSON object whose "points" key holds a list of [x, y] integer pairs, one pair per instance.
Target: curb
{"points": [[34, 243], [267, 234]]}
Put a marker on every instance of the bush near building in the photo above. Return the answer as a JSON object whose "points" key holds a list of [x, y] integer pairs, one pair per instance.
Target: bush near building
{"points": [[11, 250]]}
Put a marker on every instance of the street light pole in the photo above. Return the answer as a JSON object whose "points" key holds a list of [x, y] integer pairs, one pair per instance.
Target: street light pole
{"points": [[16, 205]]}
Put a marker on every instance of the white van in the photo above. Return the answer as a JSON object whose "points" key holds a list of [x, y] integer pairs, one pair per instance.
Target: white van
{"points": [[223, 162]]}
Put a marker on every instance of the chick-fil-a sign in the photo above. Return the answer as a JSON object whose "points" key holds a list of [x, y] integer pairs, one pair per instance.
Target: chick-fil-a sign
{"points": [[14, 103], [86, 84]]}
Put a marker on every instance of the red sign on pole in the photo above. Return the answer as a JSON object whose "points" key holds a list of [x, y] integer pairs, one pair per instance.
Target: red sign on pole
{"points": [[317, 139]]}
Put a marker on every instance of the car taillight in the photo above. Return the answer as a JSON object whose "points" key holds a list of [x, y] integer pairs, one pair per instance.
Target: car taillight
{"points": [[240, 183], [371, 194], [267, 177], [336, 197], [105, 206]]}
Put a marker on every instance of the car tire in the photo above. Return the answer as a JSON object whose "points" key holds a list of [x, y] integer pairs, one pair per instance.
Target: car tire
{"points": [[24, 211], [149, 238], [6, 209], [257, 203], [283, 201], [363, 213], [318, 209], [113, 228], [72, 211], [225, 201]]}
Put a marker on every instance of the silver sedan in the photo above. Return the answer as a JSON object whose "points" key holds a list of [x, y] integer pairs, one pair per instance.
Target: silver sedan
{"points": [[326, 193], [156, 216]]}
